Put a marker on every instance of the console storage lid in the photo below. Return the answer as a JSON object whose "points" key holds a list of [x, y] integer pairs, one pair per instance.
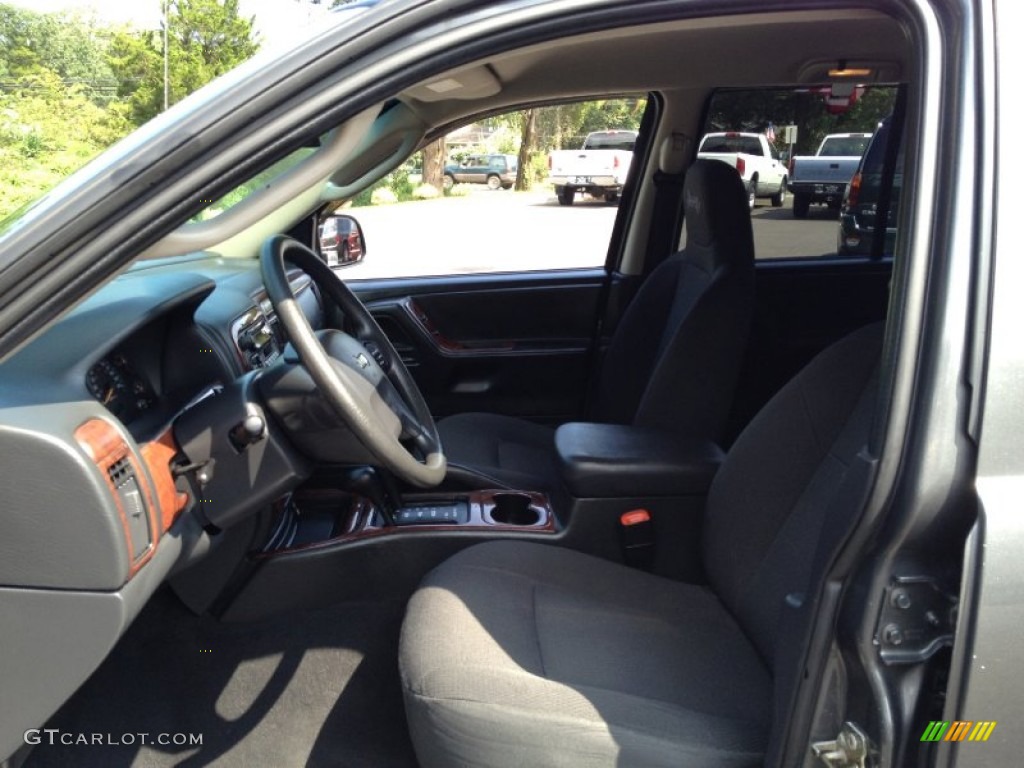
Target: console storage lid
{"points": [[615, 460]]}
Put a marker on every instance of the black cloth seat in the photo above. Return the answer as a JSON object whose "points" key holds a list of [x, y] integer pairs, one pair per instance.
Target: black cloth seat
{"points": [[515, 653], [673, 360]]}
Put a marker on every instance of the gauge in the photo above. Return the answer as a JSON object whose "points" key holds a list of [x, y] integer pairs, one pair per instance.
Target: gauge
{"points": [[107, 384], [114, 383]]}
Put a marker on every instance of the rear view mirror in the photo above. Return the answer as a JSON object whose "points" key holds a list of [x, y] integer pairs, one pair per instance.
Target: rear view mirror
{"points": [[341, 240]]}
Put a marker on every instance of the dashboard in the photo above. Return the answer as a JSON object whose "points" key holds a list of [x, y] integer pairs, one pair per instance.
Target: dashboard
{"points": [[156, 340], [119, 466], [98, 399]]}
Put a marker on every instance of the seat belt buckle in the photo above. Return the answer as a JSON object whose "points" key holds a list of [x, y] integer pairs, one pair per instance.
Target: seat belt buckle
{"points": [[636, 530]]}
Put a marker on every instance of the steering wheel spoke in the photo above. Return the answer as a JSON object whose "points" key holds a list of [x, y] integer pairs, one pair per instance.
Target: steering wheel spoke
{"points": [[359, 374]]}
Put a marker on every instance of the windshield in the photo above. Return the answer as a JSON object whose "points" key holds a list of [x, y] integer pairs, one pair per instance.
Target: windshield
{"points": [[844, 146], [260, 180], [748, 145], [108, 69], [616, 140]]}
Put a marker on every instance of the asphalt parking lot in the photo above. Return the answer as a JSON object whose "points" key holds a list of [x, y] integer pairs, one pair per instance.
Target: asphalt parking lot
{"points": [[503, 231]]}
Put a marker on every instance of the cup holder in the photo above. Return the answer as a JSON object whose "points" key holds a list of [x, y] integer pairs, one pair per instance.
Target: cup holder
{"points": [[514, 509]]}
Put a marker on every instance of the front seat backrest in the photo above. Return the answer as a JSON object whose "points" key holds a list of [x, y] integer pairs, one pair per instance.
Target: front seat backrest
{"points": [[675, 357], [780, 480]]}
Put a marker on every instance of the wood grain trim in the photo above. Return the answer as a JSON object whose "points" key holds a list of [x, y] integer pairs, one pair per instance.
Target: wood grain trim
{"points": [[446, 345], [105, 445], [481, 504], [157, 455]]}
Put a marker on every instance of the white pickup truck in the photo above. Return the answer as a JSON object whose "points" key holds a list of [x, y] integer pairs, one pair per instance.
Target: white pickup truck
{"points": [[754, 158], [599, 168], [824, 177]]}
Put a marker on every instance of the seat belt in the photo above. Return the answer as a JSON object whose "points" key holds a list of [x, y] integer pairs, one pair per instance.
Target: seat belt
{"points": [[666, 221]]}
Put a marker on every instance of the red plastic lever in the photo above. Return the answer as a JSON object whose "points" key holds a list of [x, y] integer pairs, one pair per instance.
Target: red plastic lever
{"points": [[635, 517]]}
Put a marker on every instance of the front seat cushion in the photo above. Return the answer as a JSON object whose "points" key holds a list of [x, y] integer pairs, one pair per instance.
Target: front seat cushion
{"points": [[520, 654], [499, 451]]}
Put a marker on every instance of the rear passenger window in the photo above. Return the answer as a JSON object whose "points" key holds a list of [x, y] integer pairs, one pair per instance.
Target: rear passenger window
{"points": [[809, 198]]}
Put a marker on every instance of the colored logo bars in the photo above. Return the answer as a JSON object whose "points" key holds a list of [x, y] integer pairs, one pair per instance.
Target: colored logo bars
{"points": [[958, 730]]}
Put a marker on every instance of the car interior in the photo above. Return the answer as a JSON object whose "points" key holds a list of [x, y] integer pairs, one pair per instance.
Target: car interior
{"points": [[563, 517]]}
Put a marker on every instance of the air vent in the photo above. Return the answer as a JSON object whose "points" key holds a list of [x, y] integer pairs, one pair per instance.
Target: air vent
{"points": [[129, 494], [120, 471]]}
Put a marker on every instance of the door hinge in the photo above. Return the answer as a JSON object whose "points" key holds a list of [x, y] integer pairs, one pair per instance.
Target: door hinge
{"points": [[917, 619], [850, 749]]}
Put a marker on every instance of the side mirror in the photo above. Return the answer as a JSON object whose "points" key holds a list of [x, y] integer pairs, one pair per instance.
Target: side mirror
{"points": [[341, 240]]}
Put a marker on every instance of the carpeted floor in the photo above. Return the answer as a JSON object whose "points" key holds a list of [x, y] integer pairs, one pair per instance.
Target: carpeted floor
{"points": [[310, 689]]}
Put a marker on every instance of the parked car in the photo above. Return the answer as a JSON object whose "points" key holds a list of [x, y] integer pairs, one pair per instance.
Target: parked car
{"points": [[754, 158], [599, 168], [341, 241], [496, 171], [824, 177], [230, 533], [858, 218]]}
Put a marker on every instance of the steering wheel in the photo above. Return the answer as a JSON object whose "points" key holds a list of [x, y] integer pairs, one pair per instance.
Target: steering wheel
{"points": [[361, 376]]}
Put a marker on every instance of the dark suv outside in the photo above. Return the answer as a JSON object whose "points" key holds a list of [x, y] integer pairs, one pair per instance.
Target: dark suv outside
{"points": [[496, 171], [857, 218]]}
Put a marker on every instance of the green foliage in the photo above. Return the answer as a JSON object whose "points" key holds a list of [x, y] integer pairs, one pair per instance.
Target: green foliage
{"points": [[69, 87], [753, 110], [71, 46], [47, 131], [136, 59], [397, 184], [609, 114], [538, 168], [205, 39]]}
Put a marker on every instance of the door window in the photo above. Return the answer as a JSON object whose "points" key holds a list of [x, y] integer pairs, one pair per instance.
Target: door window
{"points": [[511, 212]]}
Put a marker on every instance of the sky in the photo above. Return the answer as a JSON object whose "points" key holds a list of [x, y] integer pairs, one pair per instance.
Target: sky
{"points": [[277, 21]]}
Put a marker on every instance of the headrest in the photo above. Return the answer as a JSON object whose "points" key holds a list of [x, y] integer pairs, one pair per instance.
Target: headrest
{"points": [[718, 229]]}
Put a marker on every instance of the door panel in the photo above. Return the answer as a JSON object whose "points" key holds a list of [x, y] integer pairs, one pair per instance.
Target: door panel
{"points": [[521, 344], [513, 344]]}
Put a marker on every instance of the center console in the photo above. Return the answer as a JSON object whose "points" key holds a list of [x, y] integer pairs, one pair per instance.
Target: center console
{"points": [[349, 534], [327, 517], [327, 544]]}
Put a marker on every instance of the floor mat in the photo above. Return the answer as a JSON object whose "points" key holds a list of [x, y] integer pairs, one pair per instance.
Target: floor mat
{"points": [[312, 689]]}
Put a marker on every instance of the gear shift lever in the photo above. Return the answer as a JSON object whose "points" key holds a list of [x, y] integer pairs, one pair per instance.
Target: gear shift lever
{"points": [[379, 487]]}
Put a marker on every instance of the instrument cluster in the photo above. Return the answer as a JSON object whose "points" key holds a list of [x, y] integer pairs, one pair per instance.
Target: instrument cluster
{"points": [[116, 383]]}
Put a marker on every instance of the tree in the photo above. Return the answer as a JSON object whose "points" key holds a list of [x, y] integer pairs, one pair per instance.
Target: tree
{"points": [[753, 110], [71, 46], [526, 149], [36, 147], [433, 164], [206, 38]]}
